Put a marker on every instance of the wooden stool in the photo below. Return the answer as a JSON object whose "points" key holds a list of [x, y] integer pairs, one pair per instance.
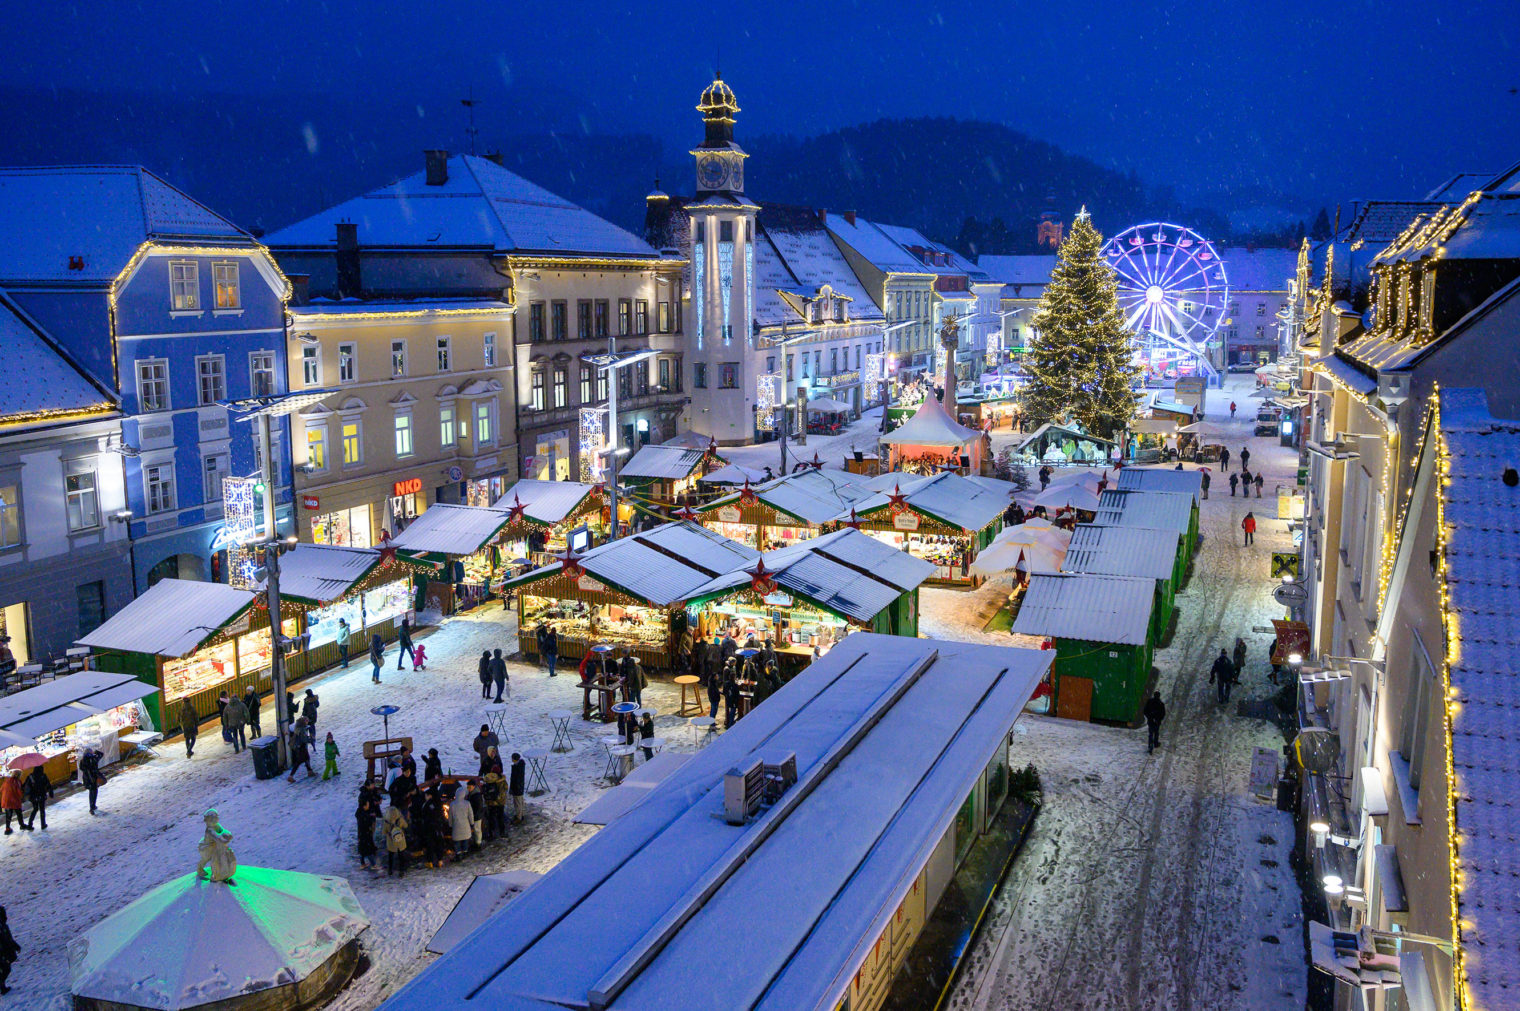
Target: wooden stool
{"points": [[690, 685]]}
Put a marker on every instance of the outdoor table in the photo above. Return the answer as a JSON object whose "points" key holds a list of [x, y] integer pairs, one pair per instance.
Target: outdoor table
{"points": [[746, 696], [610, 741], [619, 761], [652, 746], [624, 708], [537, 759], [496, 719], [690, 685], [560, 718], [606, 697], [700, 723], [144, 739]]}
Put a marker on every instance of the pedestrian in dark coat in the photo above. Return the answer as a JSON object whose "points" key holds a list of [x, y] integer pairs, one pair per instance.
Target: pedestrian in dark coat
{"points": [[251, 703], [646, 731], [483, 671], [189, 725], [90, 775], [714, 692], [9, 951], [1234, 483], [435, 828], [730, 698], [1249, 526], [1245, 483], [1045, 473], [432, 766], [1222, 675], [551, 649], [1155, 712], [234, 719], [483, 742], [300, 749], [493, 788], [1238, 656], [1224, 459], [309, 706], [1205, 484], [1018, 514], [1008, 514], [376, 655], [365, 817], [515, 788], [1259, 483], [38, 789], [1272, 659], [499, 674], [633, 679], [1245, 457], [541, 635], [404, 640], [699, 660]]}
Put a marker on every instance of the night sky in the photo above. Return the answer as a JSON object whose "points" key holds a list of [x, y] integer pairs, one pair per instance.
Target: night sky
{"points": [[1317, 102]]}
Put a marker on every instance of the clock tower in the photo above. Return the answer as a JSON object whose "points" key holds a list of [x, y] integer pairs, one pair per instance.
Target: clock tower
{"points": [[722, 350]]}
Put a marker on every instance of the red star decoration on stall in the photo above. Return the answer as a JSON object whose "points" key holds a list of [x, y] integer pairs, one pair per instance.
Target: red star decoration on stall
{"points": [[599, 489], [898, 501], [518, 510], [854, 521], [760, 579], [569, 562], [747, 495], [816, 463], [687, 513], [387, 555]]}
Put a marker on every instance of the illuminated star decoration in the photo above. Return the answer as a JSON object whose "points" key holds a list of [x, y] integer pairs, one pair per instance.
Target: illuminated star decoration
{"points": [[747, 495], [687, 513], [898, 501], [760, 580], [569, 562], [854, 521], [599, 489], [518, 510]]}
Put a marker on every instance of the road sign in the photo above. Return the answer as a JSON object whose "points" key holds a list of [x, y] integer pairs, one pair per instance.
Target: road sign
{"points": [[1284, 563], [1291, 595]]}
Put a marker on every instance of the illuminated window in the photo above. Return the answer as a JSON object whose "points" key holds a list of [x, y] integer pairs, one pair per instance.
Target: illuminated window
{"points": [[664, 317], [398, 358], [641, 317], [728, 375], [625, 316], [588, 379], [1261, 308], [485, 422], [403, 434], [447, 436], [153, 385], [353, 448], [538, 390], [445, 354], [83, 501], [561, 386], [184, 285], [225, 277], [316, 447], [211, 379], [601, 384]]}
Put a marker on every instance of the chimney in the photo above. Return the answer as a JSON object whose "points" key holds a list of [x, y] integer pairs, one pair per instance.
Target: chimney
{"points": [[494, 157], [823, 215], [300, 288], [850, 217], [437, 167], [348, 259]]}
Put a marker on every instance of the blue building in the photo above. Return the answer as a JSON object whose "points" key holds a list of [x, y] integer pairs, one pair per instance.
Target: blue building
{"points": [[177, 310]]}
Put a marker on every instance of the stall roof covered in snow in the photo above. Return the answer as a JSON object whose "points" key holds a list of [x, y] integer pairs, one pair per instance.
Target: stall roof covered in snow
{"points": [[171, 619], [662, 462], [947, 497], [1122, 551], [95, 216], [480, 205], [48, 707], [812, 496], [1482, 514], [450, 529], [322, 573], [52, 383], [1167, 510], [1087, 607], [1182, 482], [931, 425], [866, 811], [850, 573], [548, 502]]}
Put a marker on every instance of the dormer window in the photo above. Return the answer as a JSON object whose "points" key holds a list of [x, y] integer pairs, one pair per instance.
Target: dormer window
{"points": [[839, 310], [1428, 298]]}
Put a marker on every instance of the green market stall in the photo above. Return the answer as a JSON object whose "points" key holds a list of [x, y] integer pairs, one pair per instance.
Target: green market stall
{"points": [[1144, 552], [460, 544], [369, 588], [541, 515], [945, 519], [1163, 510], [785, 510]]}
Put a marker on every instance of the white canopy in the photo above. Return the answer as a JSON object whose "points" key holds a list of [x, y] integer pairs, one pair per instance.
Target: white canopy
{"points": [[829, 405], [191, 942], [931, 425], [998, 558], [28, 715], [1073, 495], [735, 474], [1035, 531]]}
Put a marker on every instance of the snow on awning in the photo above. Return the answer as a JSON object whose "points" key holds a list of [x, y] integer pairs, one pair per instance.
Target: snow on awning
{"points": [[931, 425], [1186, 482], [171, 619], [1167, 510], [1091, 608], [547, 502], [949, 498], [663, 462], [734, 474], [322, 573], [1346, 375], [50, 707], [448, 529], [812, 496], [1122, 551]]}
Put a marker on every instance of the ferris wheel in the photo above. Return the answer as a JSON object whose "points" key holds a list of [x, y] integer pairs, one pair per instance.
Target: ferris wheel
{"points": [[1172, 291]]}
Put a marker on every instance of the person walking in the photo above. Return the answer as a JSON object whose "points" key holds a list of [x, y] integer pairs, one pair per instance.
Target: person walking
{"points": [[365, 817], [551, 649], [404, 640], [1045, 473], [1222, 675], [234, 719], [38, 789], [1205, 483], [1224, 458], [251, 704], [1245, 483], [1238, 656], [300, 750], [499, 674], [1249, 526], [344, 634], [461, 823], [396, 825], [1234, 483], [1245, 457], [9, 950], [330, 753], [483, 671], [189, 725], [1259, 483], [515, 786], [1232, 409], [309, 706], [540, 636], [10, 799], [90, 774], [376, 655], [1155, 712], [482, 744]]}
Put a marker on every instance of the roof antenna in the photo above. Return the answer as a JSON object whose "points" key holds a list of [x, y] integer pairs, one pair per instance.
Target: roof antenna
{"points": [[470, 103]]}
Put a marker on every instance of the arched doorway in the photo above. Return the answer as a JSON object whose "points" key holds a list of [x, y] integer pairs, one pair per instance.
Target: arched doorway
{"points": [[181, 566]]}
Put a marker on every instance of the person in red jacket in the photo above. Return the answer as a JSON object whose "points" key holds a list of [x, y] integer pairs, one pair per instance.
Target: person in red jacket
{"points": [[10, 800], [1249, 526]]}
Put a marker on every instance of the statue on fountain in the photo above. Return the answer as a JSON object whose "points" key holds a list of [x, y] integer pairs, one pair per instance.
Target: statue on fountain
{"points": [[216, 857]]}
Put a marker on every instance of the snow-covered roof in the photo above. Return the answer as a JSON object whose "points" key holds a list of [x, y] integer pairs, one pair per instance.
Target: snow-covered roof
{"points": [[96, 216], [1384, 352], [848, 572], [662, 461], [1482, 516], [480, 206], [1167, 510], [545, 501], [51, 706], [1087, 607], [1184, 482], [772, 275], [1259, 269], [931, 425], [322, 573], [734, 474], [634, 916], [945, 496], [1021, 270], [1122, 551], [192, 942], [911, 239], [52, 383], [813, 496], [1486, 228], [874, 245], [450, 529], [813, 258], [171, 619], [1456, 188]]}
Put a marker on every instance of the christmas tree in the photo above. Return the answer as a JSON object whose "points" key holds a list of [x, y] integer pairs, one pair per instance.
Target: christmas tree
{"points": [[1081, 365]]}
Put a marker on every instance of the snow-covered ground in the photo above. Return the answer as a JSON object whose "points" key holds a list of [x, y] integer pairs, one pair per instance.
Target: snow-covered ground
{"points": [[1157, 881]]}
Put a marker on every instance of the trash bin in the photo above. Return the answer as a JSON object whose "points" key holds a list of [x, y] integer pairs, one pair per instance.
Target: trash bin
{"points": [[266, 756]]}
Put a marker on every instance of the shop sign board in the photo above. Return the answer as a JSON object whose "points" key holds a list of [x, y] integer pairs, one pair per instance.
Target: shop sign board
{"points": [[729, 514], [310, 502], [240, 624], [905, 521], [590, 584], [410, 486]]}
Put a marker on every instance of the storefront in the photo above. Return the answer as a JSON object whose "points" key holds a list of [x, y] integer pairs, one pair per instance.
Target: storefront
{"points": [[460, 545], [945, 520], [346, 528], [370, 589], [541, 515], [364, 512], [60, 719], [485, 490], [785, 510]]}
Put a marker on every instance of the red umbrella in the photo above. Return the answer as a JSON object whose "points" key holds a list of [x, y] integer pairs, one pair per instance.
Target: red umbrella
{"points": [[30, 760]]}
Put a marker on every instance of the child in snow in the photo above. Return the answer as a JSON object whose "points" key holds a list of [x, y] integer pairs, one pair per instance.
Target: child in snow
{"points": [[330, 751], [420, 654]]}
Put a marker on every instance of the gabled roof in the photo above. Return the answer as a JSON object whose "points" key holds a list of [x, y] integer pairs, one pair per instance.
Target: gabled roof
{"points": [[1381, 353], [548, 502], [874, 245], [480, 206], [1167, 510], [813, 496], [947, 497], [1456, 188], [323, 573], [1090, 608], [1187, 482], [662, 462], [1122, 551], [811, 256], [97, 216], [912, 238], [171, 619], [53, 385], [446, 528], [931, 425], [1024, 270]]}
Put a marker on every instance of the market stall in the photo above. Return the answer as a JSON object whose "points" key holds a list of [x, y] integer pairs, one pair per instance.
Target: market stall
{"points": [[192, 640], [541, 515], [59, 719], [460, 544], [1164, 510], [945, 519], [784, 510], [1060, 446], [628, 592], [931, 439], [663, 474], [1146, 552], [368, 588]]}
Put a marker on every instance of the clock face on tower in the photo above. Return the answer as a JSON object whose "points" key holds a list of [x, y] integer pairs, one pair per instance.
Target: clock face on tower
{"points": [[712, 170]]}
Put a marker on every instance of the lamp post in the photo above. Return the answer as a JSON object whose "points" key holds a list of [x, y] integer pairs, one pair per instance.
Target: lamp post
{"points": [[611, 362]]}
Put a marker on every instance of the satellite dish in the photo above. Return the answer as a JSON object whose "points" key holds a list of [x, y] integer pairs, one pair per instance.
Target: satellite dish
{"points": [[1317, 749]]}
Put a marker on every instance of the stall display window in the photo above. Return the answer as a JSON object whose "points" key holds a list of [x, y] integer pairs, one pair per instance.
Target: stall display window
{"points": [[253, 649], [585, 624], [386, 602], [209, 668]]}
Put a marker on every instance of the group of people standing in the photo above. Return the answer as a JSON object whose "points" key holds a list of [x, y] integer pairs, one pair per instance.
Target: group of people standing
{"points": [[717, 666]]}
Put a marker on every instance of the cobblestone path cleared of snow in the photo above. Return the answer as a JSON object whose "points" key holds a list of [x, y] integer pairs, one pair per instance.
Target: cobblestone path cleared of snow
{"points": [[1157, 881]]}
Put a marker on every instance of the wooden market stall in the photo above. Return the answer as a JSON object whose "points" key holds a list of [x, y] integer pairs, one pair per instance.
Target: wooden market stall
{"points": [[1166, 510], [1101, 627], [666, 473], [944, 519], [369, 588], [60, 718], [784, 510], [460, 544], [628, 592], [1059, 446], [931, 439], [1144, 552], [541, 515]]}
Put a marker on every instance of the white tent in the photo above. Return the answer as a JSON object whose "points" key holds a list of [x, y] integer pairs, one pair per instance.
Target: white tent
{"points": [[735, 474], [1035, 531], [931, 425], [828, 405], [191, 942], [999, 558], [1073, 495]]}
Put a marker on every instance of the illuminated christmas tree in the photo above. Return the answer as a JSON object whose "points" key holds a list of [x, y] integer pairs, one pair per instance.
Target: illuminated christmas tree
{"points": [[1081, 365]]}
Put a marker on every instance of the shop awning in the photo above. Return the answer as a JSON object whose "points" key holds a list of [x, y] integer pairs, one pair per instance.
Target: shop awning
{"points": [[1113, 609], [828, 405], [634, 788], [735, 474], [545, 502], [811, 496], [318, 574], [457, 531], [172, 619], [57, 704], [949, 498]]}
